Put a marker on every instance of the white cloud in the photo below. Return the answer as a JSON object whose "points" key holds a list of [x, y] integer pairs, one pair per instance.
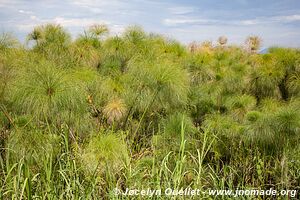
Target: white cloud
{"points": [[97, 3], [25, 12], [33, 17], [181, 10], [194, 21], [77, 22], [117, 28], [287, 18], [96, 10], [109, 7], [249, 22], [269, 20], [68, 23], [186, 21], [26, 27]]}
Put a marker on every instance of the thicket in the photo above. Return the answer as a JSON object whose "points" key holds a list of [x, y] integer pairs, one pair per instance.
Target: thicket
{"points": [[81, 117]]}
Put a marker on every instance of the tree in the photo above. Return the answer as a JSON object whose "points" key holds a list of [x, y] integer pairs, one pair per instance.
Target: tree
{"points": [[274, 127], [287, 60], [253, 43], [239, 105], [206, 47], [98, 30], [135, 35], [193, 47], [47, 93], [154, 86], [294, 84], [7, 40], [116, 55], [222, 40], [53, 42], [36, 35], [265, 78]]}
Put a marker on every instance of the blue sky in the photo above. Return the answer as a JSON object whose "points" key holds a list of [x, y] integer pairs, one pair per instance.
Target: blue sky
{"points": [[276, 22]]}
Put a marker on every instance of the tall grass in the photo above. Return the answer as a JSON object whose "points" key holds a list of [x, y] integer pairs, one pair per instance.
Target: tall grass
{"points": [[80, 119]]}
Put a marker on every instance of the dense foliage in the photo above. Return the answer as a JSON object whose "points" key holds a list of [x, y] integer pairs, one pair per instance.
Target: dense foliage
{"points": [[81, 117]]}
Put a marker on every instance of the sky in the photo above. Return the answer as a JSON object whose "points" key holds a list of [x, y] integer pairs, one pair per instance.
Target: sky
{"points": [[277, 22]]}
